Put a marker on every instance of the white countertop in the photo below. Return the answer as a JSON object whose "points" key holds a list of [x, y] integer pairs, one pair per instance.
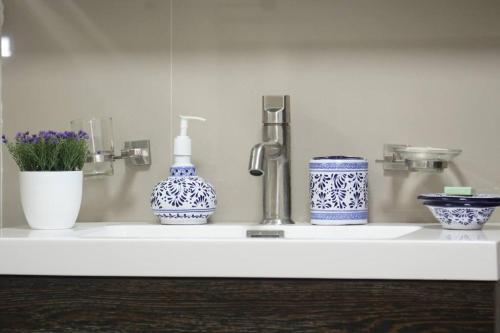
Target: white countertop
{"points": [[373, 251]]}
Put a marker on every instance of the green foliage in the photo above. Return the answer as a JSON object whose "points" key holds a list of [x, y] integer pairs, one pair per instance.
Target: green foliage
{"points": [[49, 151]]}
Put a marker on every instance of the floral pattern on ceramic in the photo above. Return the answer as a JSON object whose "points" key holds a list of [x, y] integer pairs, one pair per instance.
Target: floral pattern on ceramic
{"points": [[338, 191], [183, 171], [183, 199], [461, 218]]}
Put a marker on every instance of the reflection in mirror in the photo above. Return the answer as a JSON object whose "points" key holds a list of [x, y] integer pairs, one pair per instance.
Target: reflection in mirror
{"points": [[6, 47]]}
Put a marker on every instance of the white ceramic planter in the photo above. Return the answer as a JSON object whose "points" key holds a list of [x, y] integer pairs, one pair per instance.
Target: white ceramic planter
{"points": [[51, 199]]}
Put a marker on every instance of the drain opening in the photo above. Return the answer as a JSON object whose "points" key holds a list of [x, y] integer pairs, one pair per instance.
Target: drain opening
{"points": [[265, 233]]}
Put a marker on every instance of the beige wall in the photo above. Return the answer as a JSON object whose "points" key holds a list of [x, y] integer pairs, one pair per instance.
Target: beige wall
{"points": [[360, 74], [75, 59]]}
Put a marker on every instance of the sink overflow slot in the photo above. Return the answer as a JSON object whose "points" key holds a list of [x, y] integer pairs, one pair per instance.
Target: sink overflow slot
{"points": [[265, 233]]}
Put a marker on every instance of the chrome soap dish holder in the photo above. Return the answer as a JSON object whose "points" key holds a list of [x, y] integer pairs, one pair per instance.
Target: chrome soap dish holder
{"points": [[399, 157]]}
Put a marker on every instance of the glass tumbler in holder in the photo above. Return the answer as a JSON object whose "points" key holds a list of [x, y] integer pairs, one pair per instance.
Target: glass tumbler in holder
{"points": [[100, 145]]}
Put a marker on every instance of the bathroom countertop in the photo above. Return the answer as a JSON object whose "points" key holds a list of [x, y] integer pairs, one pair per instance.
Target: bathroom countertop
{"points": [[373, 251]]}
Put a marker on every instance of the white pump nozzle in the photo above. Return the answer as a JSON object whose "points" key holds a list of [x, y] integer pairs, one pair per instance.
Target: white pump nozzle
{"points": [[182, 143], [184, 123]]}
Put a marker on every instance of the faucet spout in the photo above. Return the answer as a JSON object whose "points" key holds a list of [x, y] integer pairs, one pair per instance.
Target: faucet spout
{"points": [[258, 155], [256, 165]]}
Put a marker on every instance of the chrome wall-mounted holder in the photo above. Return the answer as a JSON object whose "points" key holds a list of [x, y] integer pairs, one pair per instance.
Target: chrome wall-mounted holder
{"points": [[137, 152], [399, 157], [100, 162], [101, 151]]}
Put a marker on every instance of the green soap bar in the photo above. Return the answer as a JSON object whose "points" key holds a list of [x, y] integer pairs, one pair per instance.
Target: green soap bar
{"points": [[457, 190]]}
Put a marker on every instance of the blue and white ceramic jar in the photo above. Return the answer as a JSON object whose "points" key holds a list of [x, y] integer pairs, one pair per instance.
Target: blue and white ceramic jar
{"points": [[183, 198], [338, 190]]}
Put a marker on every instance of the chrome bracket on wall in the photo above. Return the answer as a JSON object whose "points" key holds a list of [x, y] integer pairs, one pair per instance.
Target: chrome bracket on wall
{"points": [[398, 157], [137, 152], [392, 160]]}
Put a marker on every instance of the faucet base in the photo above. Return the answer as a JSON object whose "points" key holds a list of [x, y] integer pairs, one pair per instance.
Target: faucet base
{"points": [[277, 221]]}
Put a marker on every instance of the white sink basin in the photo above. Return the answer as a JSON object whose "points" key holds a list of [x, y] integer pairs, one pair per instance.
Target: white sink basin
{"points": [[298, 232], [372, 251]]}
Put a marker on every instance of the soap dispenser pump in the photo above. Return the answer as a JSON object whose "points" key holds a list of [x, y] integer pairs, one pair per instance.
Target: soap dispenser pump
{"points": [[183, 198]]}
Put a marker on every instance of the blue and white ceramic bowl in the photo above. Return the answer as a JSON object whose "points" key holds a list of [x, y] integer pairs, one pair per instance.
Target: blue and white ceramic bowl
{"points": [[461, 216], [183, 198], [338, 190], [471, 199]]}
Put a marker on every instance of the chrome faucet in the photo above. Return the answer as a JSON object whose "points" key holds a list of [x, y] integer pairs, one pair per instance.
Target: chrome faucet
{"points": [[271, 158]]}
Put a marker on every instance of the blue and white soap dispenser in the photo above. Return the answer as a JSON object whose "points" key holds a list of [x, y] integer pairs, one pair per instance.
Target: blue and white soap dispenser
{"points": [[183, 198]]}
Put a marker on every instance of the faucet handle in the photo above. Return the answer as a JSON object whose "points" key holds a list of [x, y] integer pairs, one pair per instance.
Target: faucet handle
{"points": [[276, 109]]}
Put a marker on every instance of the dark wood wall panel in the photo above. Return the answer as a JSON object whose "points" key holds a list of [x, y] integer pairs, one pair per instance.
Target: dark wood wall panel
{"points": [[83, 304]]}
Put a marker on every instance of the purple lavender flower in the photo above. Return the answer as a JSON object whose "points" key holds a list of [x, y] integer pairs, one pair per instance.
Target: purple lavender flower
{"points": [[34, 139], [22, 137], [64, 135], [82, 135], [49, 137]]}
